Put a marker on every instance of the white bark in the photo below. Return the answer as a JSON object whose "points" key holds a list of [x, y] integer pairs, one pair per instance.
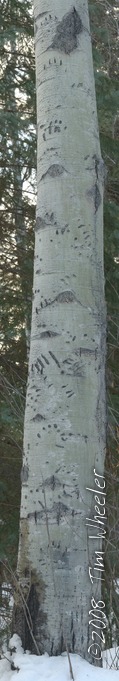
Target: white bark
{"points": [[64, 435]]}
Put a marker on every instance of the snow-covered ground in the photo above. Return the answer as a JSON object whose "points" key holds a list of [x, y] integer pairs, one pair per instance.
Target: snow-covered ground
{"points": [[27, 667]]}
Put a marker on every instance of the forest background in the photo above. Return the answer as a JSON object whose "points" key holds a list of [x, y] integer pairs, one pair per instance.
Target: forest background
{"points": [[17, 206]]}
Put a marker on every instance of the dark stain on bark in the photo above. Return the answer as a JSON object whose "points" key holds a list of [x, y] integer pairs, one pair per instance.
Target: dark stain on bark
{"points": [[48, 334], [54, 171], [73, 642], [65, 38], [73, 368], [38, 417], [33, 608], [19, 623], [52, 482], [97, 197], [99, 168], [39, 16], [24, 474], [87, 351], [63, 297], [94, 194], [29, 615], [58, 650], [63, 228], [42, 223], [57, 511], [60, 510]]}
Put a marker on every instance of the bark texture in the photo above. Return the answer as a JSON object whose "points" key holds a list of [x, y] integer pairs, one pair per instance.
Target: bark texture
{"points": [[64, 434]]}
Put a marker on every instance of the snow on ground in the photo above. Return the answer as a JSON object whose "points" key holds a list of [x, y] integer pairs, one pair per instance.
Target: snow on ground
{"points": [[44, 668]]}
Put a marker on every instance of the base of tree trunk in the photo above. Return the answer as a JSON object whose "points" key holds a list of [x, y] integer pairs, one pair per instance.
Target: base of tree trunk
{"points": [[24, 621]]}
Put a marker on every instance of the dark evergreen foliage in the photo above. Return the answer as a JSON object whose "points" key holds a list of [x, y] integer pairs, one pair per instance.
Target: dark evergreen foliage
{"points": [[17, 201]]}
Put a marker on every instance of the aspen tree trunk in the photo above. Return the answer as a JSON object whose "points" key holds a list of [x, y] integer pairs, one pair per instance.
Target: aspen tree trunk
{"points": [[64, 431]]}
